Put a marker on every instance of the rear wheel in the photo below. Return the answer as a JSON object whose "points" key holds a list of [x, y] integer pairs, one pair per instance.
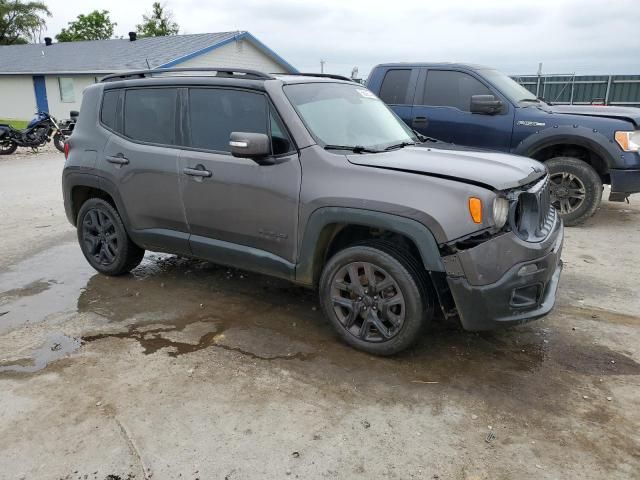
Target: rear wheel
{"points": [[104, 240], [576, 189], [375, 297], [8, 148]]}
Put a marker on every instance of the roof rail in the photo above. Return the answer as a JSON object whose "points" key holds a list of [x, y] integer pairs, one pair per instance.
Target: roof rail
{"points": [[220, 72], [323, 75]]}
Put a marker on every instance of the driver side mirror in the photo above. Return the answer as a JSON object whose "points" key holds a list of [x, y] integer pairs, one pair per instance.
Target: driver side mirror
{"points": [[487, 104], [250, 145]]}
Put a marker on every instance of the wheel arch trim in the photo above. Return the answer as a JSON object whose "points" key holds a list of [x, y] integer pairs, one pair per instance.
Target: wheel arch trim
{"points": [[315, 239], [569, 135]]}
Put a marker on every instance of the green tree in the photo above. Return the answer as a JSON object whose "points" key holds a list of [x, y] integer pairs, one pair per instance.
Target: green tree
{"points": [[158, 24], [21, 22], [94, 26]]}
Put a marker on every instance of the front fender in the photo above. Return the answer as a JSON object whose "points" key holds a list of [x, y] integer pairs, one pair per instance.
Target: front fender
{"points": [[570, 135], [312, 251]]}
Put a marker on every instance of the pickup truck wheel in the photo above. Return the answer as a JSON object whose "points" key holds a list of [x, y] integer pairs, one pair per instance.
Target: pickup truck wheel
{"points": [[104, 240], [576, 189], [375, 297], [8, 148]]}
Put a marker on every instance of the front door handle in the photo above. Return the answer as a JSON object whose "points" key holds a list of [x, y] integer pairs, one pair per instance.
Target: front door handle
{"points": [[118, 159], [197, 172], [420, 120]]}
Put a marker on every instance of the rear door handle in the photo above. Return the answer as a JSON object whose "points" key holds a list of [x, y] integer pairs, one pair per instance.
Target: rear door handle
{"points": [[197, 172], [118, 159], [420, 120]]}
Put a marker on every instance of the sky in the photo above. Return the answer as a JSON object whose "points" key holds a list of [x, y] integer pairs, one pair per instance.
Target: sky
{"points": [[567, 36]]}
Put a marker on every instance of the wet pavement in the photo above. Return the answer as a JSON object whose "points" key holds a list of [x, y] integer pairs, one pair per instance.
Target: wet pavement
{"points": [[184, 369]]}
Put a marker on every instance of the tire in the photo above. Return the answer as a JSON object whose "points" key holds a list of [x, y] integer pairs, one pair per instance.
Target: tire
{"points": [[8, 149], [104, 240], [401, 316], [571, 176], [58, 141]]}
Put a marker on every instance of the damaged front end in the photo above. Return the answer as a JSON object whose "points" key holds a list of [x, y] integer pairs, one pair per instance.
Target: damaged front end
{"points": [[510, 275]]}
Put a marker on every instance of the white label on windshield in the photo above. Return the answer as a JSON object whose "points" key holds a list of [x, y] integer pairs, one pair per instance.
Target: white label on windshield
{"points": [[366, 93]]}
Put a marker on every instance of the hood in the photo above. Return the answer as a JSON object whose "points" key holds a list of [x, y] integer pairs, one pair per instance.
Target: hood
{"points": [[491, 170], [630, 114]]}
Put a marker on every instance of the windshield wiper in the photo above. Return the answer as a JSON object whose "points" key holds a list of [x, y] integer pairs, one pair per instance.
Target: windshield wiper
{"points": [[424, 138], [396, 146], [534, 100], [352, 148]]}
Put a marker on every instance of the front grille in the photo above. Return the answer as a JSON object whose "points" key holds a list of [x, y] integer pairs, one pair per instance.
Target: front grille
{"points": [[532, 216]]}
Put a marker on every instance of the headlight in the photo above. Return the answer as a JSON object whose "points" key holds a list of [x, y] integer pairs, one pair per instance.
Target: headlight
{"points": [[500, 211], [628, 141]]}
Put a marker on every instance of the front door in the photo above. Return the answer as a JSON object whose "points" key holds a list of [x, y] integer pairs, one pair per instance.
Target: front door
{"points": [[239, 212], [40, 89], [442, 111], [141, 160]]}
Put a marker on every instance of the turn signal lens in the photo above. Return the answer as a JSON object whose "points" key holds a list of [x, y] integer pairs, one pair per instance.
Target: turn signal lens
{"points": [[475, 209], [67, 147], [628, 141]]}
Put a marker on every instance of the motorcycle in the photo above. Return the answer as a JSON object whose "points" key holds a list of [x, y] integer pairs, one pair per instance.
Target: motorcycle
{"points": [[40, 130]]}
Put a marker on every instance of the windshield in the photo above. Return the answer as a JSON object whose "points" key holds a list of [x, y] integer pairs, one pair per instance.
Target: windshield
{"points": [[508, 86], [339, 114]]}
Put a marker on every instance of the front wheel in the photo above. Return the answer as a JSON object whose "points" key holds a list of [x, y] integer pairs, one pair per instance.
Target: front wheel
{"points": [[375, 297], [576, 189], [8, 148], [58, 141]]}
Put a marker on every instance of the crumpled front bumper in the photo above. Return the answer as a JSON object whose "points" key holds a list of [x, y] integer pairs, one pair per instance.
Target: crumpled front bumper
{"points": [[505, 280]]}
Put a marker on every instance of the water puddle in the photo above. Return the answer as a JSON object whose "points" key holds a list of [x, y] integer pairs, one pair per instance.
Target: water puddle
{"points": [[54, 348], [177, 306]]}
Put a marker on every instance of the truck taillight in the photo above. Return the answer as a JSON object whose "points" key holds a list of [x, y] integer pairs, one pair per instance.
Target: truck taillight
{"points": [[66, 149]]}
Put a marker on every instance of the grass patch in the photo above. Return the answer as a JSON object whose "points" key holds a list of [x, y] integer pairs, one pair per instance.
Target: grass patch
{"points": [[19, 124]]}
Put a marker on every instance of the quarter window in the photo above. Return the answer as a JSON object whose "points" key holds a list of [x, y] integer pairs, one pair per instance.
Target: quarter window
{"points": [[394, 87], [150, 115], [451, 89], [215, 113], [109, 107]]}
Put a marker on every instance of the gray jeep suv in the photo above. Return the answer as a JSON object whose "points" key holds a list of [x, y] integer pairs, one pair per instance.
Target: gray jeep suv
{"points": [[313, 179]]}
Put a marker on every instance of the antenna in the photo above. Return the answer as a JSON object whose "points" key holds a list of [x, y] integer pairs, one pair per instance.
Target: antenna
{"points": [[148, 66], [322, 62]]}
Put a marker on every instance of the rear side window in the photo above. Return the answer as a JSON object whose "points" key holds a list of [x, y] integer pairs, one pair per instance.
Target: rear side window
{"points": [[109, 107], [452, 89], [394, 86], [150, 115], [215, 113]]}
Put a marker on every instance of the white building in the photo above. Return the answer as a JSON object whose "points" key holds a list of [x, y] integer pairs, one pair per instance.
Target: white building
{"points": [[51, 77]]}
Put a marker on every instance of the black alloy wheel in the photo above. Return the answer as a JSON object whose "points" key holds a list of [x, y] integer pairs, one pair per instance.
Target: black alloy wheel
{"points": [[368, 302], [377, 296], [100, 236], [104, 240]]}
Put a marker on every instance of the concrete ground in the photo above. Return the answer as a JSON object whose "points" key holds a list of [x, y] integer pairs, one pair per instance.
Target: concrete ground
{"points": [[188, 370]]}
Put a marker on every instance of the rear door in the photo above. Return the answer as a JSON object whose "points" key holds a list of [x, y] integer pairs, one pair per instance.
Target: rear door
{"points": [[238, 208], [442, 110], [140, 160], [397, 90]]}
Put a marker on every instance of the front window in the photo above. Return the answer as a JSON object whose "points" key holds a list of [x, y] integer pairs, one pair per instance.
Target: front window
{"points": [[347, 115], [508, 86]]}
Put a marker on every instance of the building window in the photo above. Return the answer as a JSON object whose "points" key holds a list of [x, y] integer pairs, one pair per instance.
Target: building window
{"points": [[67, 92]]}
